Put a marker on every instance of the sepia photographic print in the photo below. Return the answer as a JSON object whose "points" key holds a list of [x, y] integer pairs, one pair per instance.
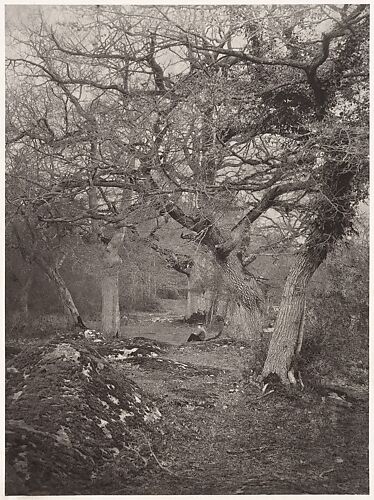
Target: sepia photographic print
{"points": [[187, 249]]}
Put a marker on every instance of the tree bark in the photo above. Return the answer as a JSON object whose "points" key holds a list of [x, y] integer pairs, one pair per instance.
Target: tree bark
{"points": [[286, 341], [111, 262], [110, 313], [237, 321], [246, 313], [198, 301]]}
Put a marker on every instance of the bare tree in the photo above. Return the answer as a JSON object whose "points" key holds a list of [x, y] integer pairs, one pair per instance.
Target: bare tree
{"points": [[229, 110]]}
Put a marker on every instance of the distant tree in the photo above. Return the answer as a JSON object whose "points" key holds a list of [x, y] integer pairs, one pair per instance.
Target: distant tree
{"points": [[61, 130], [99, 174], [40, 248]]}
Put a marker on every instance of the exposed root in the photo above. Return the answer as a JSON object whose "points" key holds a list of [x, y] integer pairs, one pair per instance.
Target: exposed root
{"points": [[273, 380], [295, 378], [291, 377]]}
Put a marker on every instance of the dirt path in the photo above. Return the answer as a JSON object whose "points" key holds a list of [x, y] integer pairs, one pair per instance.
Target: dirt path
{"points": [[225, 438]]}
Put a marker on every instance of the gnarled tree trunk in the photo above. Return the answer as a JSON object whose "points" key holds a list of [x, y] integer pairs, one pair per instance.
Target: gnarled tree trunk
{"points": [[226, 260], [246, 312], [221, 289]]}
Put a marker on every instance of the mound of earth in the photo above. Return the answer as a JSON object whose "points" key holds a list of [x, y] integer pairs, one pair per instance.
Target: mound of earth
{"points": [[129, 349], [73, 421], [148, 359], [176, 368], [146, 354]]}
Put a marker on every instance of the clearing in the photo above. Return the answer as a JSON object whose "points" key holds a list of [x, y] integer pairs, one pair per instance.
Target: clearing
{"points": [[222, 435]]}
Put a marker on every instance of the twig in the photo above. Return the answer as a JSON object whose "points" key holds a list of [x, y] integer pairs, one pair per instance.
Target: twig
{"points": [[325, 472], [157, 460], [266, 394]]}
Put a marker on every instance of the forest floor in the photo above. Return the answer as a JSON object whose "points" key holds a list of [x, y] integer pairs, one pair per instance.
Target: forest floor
{"points": [[222, 435], [225, 437]]}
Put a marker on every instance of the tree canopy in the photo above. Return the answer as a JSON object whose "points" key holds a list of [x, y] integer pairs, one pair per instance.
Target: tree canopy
{"points": [[219, 117]]}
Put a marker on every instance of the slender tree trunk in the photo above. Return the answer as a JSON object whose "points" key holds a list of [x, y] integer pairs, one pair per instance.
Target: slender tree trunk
{"points": [[67, 301], [110, 313], [286, 341], [53, 274], [21, 316]]}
